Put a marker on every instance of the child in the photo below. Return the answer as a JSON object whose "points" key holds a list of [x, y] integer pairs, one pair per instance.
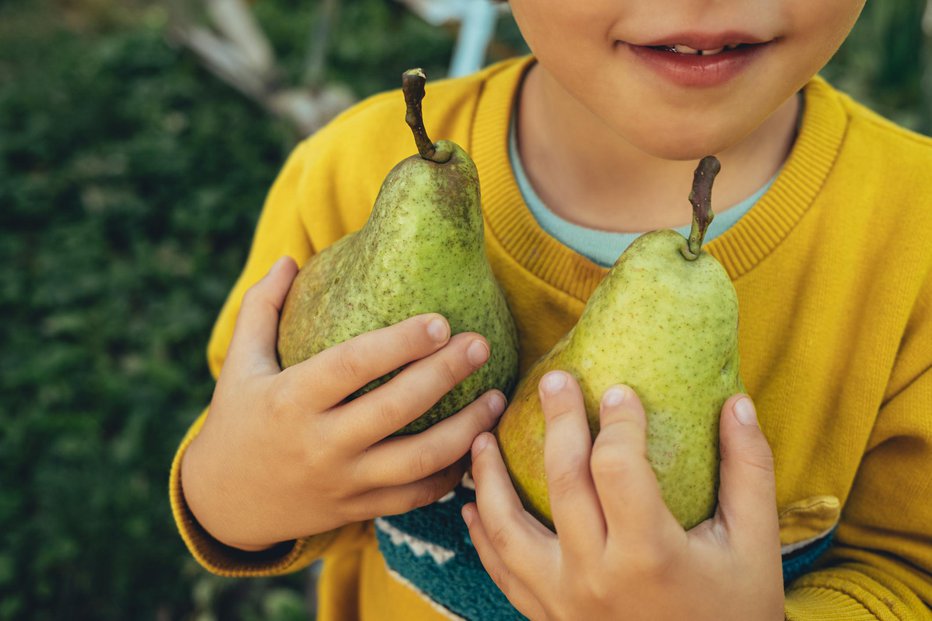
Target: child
{"points": [[825, 228]]}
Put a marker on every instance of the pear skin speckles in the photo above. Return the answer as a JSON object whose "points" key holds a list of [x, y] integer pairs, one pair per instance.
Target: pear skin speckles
{"points": [[668, 328], [422, 250]]}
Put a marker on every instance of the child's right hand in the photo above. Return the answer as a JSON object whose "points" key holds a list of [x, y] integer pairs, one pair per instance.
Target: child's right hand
{"points": [[280, 456]]}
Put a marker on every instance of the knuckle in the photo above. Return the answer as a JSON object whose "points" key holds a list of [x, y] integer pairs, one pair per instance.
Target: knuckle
{"points": [[558, 412], [388, 414], [432, 490], [317, 464], [611, 462], [426, 462], [566, 479], [652, 559], [484, 415], [252, 295], [350, 360], [355, 511], [762, 460], [500, 538], [625, 425], [425, 495], [281, 399], [447, 373], [477, 471], [596, 589], [562, 483], [758, 457], [413, 338]]}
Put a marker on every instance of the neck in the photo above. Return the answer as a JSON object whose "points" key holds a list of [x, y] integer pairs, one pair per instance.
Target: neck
{"points": [[580, 167]]}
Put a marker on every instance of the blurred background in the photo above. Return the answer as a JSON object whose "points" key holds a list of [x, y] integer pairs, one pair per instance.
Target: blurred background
{"points": [[137, 142]]}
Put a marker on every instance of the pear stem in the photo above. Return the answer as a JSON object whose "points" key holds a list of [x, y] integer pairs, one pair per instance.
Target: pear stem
{"points": [[412, 85], [701, 199]]}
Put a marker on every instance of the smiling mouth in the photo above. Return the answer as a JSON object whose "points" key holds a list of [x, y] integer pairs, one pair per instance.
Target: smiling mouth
{"points": [[699, 60], [685, 49]]}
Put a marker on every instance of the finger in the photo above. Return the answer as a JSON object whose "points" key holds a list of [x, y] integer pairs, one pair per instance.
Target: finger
{"points": [[635, 513], [252, 348], [747, 504], [335, 373], [396, 461], [383, 411], [520, 596], [577, 514], [403, 498], [525, 545]]}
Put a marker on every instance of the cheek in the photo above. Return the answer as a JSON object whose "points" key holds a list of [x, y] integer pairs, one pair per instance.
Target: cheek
{"points": [[560, 31], [817, 29]]}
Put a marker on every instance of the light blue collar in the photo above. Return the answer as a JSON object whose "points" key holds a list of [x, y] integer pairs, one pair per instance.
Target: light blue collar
{"points": [[603, 247]]}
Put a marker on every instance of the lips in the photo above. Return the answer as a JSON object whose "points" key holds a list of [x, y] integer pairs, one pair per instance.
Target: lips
{"points": [[698, 59], [678, 48], [704, 40]]}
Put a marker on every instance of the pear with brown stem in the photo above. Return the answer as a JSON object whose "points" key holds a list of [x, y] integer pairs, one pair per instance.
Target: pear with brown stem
{"points": [[665, 322], [422, 250]]}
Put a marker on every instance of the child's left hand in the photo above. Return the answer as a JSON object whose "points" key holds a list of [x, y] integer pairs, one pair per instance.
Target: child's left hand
{"points": [[620, 553]]}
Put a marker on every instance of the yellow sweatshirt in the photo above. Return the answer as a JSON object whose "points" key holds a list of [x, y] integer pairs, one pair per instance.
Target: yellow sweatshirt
{"points": [[833, 270]]}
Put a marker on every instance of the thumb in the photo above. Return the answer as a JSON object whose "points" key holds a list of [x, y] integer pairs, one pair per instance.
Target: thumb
{"points": [[253, 348], [747, 505]]}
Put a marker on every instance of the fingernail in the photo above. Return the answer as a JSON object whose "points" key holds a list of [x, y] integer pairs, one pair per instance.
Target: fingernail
{"points": [[744, 411], [496, 403], [553, 382], [479, 444], [437, 329], [478, 352], [615, 396], [468, 514]]}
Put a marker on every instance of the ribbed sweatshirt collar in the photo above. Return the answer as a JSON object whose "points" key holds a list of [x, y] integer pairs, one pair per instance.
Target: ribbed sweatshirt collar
{"points": [[739, 249]]}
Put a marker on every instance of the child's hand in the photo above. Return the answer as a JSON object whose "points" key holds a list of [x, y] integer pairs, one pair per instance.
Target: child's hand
{"points": [[620, 553], [281, 456]]}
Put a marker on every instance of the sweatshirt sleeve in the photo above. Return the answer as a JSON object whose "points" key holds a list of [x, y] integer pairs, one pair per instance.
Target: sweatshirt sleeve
{"points": [[880, 566], [280, 231], [325, 190]]}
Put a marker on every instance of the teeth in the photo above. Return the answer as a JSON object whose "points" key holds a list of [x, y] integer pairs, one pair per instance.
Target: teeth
{"points": [[685, 49]]}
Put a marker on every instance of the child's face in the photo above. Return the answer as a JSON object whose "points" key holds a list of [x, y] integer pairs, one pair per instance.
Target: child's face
{"points": [[674, 105]]}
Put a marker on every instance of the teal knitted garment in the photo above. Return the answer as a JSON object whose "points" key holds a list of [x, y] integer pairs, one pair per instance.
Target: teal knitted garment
{"points": [[429, 549]]}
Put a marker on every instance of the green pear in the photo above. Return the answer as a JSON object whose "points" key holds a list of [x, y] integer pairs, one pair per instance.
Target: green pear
{"points": [[664, 321], [421, 250]]}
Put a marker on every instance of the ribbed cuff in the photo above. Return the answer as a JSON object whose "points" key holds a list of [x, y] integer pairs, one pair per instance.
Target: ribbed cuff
{"points": [[223, 560], [819, 603]]}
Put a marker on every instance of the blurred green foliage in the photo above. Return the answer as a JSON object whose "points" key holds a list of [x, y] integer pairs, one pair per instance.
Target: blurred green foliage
{"points": [[130, 182], [886, 63], [127, 204]]}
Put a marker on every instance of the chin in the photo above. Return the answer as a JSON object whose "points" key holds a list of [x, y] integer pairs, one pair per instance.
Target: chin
{"points": [[684, 141], [679, 152], [680, 149]]}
